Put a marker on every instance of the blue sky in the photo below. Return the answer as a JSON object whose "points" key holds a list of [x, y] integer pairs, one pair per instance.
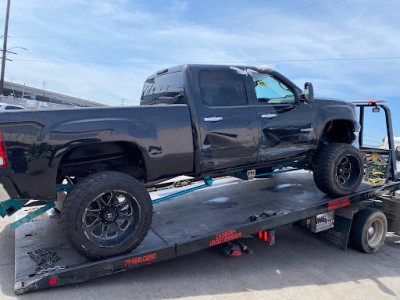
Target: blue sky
{"points": [[103, 50]]}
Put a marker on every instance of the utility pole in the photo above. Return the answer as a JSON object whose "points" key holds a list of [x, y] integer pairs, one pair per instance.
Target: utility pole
{"points": [[3, 59]]}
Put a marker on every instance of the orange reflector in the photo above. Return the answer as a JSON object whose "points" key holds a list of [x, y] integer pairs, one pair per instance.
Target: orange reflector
{"points": [[53, 280]]}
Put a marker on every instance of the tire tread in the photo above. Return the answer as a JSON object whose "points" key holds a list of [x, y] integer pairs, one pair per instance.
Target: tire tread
{"points": [[323, 164]]}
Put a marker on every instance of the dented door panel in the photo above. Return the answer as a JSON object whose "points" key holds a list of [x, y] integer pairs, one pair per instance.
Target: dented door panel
{"points": [[291, 132]]}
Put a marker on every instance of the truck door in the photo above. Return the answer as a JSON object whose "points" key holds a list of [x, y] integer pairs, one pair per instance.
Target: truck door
{"points": [[286, 125], [227, 121]]}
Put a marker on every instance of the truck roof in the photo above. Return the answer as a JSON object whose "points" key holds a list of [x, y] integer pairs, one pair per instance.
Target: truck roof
{"points": [[180, 68], [240, 68]]}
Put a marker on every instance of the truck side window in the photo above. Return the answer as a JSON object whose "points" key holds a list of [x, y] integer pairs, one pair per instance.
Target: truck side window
{"points": [[272, 91], [163, 89], [222, 88]]}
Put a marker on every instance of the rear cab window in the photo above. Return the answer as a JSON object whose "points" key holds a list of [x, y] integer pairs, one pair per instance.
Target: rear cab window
{"points": [[164, 89]]}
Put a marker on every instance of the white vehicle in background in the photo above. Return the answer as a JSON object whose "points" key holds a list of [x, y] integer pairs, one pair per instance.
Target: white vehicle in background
{"points": [[396, 140], [385, 143], [7, 106]]}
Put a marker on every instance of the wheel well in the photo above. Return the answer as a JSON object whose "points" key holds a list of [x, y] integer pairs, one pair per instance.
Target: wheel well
{"points": [[339, 131], [108, 156]]}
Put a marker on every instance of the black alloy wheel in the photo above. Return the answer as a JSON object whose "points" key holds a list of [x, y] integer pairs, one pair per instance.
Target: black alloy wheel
{"points": [[347, 171], [112, 215]]}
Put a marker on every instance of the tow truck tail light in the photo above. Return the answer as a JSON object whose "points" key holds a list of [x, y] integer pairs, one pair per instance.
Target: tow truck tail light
{"points": [[3, 152], [268, 236]]}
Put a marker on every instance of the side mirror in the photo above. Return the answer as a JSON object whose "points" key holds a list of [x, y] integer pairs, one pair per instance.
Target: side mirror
{"points": [[309, 92]]}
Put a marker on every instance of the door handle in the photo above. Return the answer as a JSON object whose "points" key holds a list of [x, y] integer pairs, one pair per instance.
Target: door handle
{"points": [[269, 116], [213, 119]]}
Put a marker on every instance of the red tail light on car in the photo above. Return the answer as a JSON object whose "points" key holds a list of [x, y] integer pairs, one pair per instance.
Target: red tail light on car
{"points": [[3, 152]]}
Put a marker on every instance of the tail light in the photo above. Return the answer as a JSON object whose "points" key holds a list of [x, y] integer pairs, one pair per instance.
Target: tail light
{"points": [[3, 152]]}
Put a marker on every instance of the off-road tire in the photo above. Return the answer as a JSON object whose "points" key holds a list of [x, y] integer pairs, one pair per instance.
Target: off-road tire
{"points": [[326, 168], [368, 231], [81, 199]]}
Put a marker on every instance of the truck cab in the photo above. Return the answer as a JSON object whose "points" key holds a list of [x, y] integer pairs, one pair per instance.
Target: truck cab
{"points": [[242, 115]]}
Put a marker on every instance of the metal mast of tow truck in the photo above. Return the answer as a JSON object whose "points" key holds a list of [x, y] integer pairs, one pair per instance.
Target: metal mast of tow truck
{"points": [[3, 59]]}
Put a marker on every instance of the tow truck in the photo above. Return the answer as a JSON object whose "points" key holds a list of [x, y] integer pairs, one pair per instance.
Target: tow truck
{"points": [[222, 214]]}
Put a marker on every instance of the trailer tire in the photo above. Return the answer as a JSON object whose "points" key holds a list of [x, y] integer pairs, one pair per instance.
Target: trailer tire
{"points": [[106, 214], [368, 231], [338, 169]]}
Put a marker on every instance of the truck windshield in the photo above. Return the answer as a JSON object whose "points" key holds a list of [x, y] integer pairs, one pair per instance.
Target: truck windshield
{"points": [[164, 89]]}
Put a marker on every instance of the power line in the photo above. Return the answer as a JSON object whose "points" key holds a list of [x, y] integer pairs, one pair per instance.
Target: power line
{"points": [[319, 42], [230, 19], [370, 37], [203, 62]]}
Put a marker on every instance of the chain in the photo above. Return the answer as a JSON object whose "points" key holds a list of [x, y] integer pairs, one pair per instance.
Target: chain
{"points": [[45, 259], [48, 270]]}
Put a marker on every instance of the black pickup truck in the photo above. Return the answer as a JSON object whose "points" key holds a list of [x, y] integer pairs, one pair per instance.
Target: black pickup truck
{"points": [[196, 120]]}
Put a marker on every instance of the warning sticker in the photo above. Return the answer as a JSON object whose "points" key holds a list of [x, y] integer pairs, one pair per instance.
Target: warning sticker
{"points": [[339, 203], [224, 237]]}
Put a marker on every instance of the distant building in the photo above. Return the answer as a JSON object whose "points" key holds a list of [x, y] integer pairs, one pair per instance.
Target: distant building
{"points": [[31, 97]]}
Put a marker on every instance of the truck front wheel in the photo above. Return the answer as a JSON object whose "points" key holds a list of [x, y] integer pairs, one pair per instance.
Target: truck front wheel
{"points": [[106, 214], [338, 169]]}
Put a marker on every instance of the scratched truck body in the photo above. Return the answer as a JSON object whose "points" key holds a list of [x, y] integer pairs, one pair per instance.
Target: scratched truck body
{"points": [[196, 120]]}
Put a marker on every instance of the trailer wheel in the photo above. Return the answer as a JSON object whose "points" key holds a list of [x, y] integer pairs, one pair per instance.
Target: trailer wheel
{"points": [[338, 169], [106, 214], [368, 231]]}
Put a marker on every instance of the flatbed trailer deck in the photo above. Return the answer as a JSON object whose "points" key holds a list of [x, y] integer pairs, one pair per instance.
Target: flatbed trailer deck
{"points": [[229, 210]]}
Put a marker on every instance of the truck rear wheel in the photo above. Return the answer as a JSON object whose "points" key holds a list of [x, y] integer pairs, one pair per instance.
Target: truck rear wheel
{"points": [[106, 214], [368, 231], [338, 169]]}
